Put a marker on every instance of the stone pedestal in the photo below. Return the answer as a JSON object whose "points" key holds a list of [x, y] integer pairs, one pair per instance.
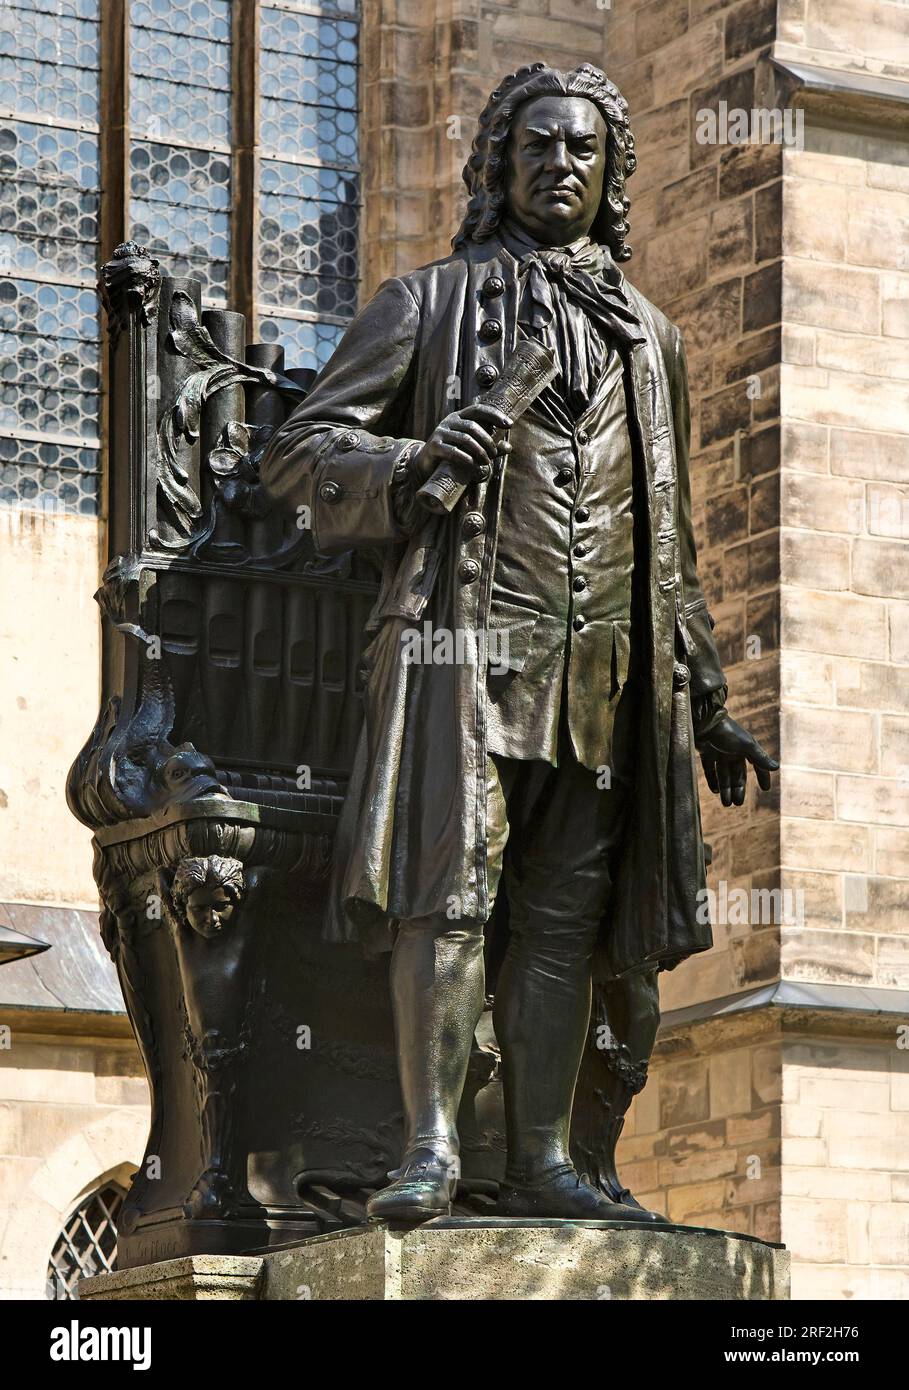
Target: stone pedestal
{"points": [[189, 1279], [493, 1259]]}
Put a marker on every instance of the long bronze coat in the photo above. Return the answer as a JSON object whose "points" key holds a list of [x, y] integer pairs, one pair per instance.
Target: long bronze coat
{"points": [[412, 840]]}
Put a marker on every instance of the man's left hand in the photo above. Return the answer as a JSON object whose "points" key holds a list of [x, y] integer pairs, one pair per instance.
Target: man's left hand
{"points": [[726, 750]]}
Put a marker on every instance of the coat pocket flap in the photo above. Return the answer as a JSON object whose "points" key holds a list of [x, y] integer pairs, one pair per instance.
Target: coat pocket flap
{"points": [[509, 637]]}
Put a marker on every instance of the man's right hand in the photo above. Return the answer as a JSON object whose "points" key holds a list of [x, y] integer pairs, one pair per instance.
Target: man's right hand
{"points": [[464, 440]]}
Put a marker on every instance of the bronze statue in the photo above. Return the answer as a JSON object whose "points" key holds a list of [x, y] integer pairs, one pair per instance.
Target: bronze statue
{"points": [[539, 817]]}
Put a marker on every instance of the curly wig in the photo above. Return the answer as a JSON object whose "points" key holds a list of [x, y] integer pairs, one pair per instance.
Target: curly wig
{"points": [[484, 172]]}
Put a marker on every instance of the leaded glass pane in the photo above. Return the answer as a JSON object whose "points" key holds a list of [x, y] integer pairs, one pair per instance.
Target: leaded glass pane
{"points": [[180, 155], [209, 19], [51, 311], [45, 362], [48, 202], [71, 9], [309, 196], [49, 63], [320, 129], [180, 205], [49, 191], [179, 200], [308, 245], [306, 342], [37, 488]]}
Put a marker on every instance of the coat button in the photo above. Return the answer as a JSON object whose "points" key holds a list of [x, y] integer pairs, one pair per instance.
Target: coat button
{"points": [[578, 622], [348, 441], [580, 549], [468, 571], [330, 492], [579, 584], [487, 374], [493, 287], [473, 524], [563, 477], [680, 675], [490, 330], [582, 436], [582, 514]]}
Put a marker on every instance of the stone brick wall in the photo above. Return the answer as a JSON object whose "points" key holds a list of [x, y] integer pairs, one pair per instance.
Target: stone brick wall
{"points": [[787, 270], [845, 557], [780, 1126], [702, 1141], [73, 1111], [845, 1177], [860, 36], [706, 231], [49, 569]]}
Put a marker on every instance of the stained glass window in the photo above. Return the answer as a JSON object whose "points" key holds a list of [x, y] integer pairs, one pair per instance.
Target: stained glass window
{"points": [[309, 187], [49, 188]]}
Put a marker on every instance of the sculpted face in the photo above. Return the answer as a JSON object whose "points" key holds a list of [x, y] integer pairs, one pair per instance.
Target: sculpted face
{"points": [[556, 164], [209, 910]]}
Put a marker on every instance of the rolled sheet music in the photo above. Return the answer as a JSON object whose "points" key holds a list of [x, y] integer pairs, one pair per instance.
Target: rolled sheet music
{"points": [[531, 368]]}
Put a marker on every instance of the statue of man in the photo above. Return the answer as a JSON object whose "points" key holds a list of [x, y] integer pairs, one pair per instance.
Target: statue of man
{"points": [[560, 774]]}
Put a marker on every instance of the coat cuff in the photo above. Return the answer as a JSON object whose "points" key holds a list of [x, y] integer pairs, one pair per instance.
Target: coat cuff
{"points": [[354, 485], [704, 662], [404, 484], [707, 710]]}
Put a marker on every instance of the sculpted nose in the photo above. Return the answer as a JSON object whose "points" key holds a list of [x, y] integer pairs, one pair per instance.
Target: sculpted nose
{"points": [[558, 161]]}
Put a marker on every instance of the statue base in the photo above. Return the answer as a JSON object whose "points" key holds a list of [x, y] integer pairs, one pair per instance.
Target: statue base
{"points": [[465, 1259]]}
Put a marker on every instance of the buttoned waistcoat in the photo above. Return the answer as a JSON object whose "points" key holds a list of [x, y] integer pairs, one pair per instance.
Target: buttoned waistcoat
{"points": [[560, 616]]}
